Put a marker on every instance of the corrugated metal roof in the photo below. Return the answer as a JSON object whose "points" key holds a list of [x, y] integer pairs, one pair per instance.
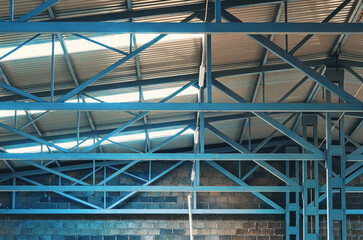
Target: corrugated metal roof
{"points": [[177, 58], [315, 11]]}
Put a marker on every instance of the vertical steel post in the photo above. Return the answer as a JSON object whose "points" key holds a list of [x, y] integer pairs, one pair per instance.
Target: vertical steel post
{"points": [[201, 123], [196, 182], [14, 195], [15, 119], [286, 36], [336, 157], [11, 11], [78, 125], [209, 68], [52, 72], [310, 184], [104, 192], [329, 176], [292, 216], [94, 165], [217, 10]]}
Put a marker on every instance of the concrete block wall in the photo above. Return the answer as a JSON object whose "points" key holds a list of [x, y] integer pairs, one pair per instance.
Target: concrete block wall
{"points": [[214, 227], [153, 227], [354, 228]]}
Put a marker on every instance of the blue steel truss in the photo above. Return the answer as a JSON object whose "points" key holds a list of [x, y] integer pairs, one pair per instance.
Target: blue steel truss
{"points": [[298, 150]]}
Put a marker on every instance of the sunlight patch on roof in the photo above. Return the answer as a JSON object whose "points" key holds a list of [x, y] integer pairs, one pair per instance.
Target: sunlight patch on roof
{"points": [[134, 96], [115, 98], [119, 139], [82, 45]]}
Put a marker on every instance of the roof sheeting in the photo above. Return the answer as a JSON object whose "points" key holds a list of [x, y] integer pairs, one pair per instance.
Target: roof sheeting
{"points": [[175, 58]]}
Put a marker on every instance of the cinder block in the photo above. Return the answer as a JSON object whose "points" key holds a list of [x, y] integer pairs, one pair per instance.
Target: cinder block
{"points": [[83, 238], [70, 238], [164, 231], [134, 237], [122, 237], [96, 238]]}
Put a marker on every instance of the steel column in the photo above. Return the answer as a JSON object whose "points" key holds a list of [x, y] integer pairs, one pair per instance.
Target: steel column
{"points": [[292, 216], [310, 185]]}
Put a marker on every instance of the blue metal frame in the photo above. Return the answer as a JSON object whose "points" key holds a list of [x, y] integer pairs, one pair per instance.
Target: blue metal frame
{"points": [[188, 107], [167, 28], [304, 150]]}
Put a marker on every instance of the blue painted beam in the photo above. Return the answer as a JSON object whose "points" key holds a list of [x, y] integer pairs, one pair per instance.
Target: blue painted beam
{"points": [[141, 211], [159, 211], [355, 157], [188, 107], [129, 188], [208, 49], [167, 28], [217, 10], [162, 156], [37, 10]]}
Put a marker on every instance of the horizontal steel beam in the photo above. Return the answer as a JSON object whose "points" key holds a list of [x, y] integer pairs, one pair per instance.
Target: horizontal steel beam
{"points": [[129, 188], [145, 188], [188, 107], [167, 28], [141, 211], [33, 188], [354, 157], [159, 211], [161, 156]]}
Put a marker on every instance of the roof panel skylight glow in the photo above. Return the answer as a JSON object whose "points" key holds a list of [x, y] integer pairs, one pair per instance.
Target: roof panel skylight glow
{"points": [[134, 96], [82, 45], [115, 98], [11, 113], [89, 142]]}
